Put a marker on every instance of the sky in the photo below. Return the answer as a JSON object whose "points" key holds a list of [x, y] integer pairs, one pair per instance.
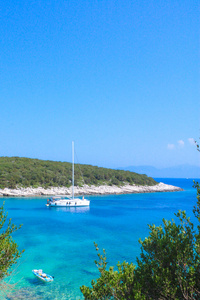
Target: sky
{"points": [[119, 78]]}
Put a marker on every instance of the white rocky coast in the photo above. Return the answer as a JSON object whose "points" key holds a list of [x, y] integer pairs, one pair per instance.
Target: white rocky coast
{"points": [[88, 190]]}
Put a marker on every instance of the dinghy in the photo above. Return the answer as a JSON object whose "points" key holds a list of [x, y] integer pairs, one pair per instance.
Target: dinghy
{"points": [[43, 276]]}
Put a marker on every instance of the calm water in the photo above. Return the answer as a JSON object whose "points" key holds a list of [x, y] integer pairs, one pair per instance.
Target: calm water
{"points": [[60, 240]]}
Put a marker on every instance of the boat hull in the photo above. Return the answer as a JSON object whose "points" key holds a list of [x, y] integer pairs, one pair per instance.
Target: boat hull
{"points": [[68, 203], [42, 276]]}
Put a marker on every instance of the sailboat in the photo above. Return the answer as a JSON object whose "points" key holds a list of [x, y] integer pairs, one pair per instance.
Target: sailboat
{"points": [[68, 201]]}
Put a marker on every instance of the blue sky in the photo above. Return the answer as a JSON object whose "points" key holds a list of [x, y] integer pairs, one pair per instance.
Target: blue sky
{"points": [[120, 78]]}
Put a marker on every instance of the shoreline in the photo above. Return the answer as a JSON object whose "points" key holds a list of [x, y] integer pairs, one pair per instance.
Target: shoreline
{"points": [[88, 190]]}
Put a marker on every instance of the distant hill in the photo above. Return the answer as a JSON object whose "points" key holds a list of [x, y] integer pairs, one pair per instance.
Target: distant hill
{"points": [[21, 171], [182, 171]]}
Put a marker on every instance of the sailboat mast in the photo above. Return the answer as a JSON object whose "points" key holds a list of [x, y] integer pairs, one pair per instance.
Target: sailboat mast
{"points": [[72, 170]]}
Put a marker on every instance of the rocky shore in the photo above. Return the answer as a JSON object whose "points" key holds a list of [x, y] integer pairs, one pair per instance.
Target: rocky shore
{"points": [[88, 190]]}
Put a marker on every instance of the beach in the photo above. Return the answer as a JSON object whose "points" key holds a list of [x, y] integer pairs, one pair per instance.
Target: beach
{"points": [[88, 190]]}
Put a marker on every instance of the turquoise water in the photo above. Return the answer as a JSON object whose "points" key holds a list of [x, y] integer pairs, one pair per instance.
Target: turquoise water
{"points": [[60, 240]]}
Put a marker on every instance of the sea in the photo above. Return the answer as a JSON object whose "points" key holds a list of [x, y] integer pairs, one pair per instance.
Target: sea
{"points": [[61, 240]]}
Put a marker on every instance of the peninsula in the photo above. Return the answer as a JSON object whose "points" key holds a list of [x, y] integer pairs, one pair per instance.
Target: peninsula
{"points": [[33, 177]]}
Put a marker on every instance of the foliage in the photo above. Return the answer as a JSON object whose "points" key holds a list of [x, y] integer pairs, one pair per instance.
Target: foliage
{"points": [[198, 149], [169, 264], [112, 284], [9, 252], [168, 267], [19, 171]]}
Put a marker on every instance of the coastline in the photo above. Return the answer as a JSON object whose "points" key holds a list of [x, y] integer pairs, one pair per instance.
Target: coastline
{"points": [[88, 190]]}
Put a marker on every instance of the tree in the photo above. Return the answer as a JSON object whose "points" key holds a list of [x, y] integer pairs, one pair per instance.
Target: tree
{"points": [[168, 267], [9, 252], [169, 264]]}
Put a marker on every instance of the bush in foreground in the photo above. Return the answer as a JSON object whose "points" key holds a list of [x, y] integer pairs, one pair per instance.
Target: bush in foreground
{"points": [[9, 252], [168, 267]]}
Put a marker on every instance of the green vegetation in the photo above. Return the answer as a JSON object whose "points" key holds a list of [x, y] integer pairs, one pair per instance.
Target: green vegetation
{"points": [[20, 171], [9, 252], [168, 267]]}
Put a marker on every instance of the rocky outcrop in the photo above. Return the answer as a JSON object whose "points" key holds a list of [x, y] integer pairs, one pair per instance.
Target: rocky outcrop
{"points": [[88, 190]]}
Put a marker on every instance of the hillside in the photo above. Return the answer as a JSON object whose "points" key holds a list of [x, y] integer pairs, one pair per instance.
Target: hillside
{"points": [[25, 172]]}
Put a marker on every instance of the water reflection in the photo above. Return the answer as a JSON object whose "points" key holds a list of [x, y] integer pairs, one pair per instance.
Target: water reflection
{"points": [[77, 209]]}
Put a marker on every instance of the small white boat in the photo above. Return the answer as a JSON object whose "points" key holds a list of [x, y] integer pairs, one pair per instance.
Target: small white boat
{"points": [[43, 276], [68, 201]]}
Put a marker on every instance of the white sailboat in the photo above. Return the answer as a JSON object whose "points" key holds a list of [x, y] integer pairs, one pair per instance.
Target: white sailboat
{"points": [[68, 201]]}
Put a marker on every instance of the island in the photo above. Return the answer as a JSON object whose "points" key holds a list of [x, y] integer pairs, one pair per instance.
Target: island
{"points": [[24, 177]]}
